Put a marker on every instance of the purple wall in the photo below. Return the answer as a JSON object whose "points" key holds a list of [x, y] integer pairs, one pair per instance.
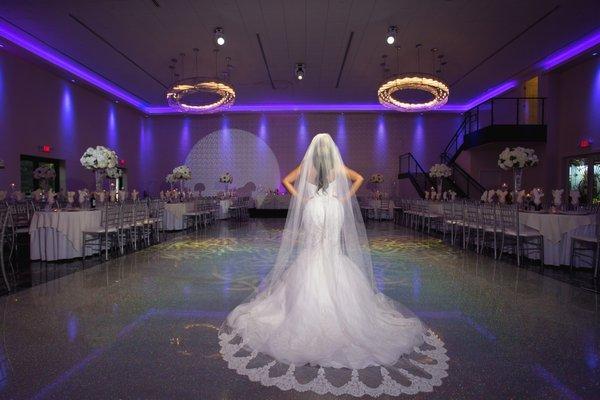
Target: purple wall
{"points": [[37, 107]]}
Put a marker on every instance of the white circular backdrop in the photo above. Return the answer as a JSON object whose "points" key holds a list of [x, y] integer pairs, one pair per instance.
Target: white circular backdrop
{"points": [[246, 156]]}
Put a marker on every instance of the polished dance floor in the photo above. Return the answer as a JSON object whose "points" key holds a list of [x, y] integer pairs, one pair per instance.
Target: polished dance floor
{"points": [[144, 326]]}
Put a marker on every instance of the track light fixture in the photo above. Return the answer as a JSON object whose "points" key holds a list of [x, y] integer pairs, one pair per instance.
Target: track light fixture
{"points": [[300, 70], [219, 36], [391, 35]]}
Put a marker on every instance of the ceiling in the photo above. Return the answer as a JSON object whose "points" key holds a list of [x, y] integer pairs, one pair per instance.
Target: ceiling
{"points": [[132, 42]]}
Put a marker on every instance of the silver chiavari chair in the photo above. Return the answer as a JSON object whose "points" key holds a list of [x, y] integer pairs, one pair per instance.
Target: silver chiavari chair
{"points": [[383, 209], [521, 239], [128, 227], [490, 226], [107, 233], [192, 218], [582, 245], [7, 242], [472, 226]]}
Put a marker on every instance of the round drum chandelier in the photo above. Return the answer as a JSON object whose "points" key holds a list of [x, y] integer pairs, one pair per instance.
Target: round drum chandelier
{"points": [[417, 81], [197, 94], [179, 93], [426, 83]]}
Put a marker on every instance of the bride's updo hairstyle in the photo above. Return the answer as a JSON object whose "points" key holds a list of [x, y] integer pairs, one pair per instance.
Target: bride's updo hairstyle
{"points": [[323, 160]]}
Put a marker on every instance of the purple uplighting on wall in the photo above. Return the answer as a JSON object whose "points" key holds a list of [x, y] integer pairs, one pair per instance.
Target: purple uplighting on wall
{"points": [[145, 143], [262, 127], [184, 139], [340, 137], [419, 145], [67, 114], [302, 140], [381, 142], [594, 105], [2, 94], [112, 130], [570, 51]]}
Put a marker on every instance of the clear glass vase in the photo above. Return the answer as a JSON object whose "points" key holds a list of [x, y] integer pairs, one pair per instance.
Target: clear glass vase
{"points": [[99, 175]]}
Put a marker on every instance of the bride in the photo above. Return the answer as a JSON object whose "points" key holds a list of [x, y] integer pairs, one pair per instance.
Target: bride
{"points": [[317, 321]]}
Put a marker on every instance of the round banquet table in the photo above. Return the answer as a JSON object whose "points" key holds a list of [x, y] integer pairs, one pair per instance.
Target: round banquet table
{"points": [[558, 229], [173, 217], [57, 235]]}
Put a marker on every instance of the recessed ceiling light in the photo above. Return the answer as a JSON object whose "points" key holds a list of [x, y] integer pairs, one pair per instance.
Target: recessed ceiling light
{"points": [[391, 35], [73, 80], [1, 44], [117, 101], [219, 36], [300, 70], [595, 53]]}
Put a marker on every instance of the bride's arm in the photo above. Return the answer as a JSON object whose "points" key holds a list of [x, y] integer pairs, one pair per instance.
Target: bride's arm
{"points": [[357, 180], [289, 180]]}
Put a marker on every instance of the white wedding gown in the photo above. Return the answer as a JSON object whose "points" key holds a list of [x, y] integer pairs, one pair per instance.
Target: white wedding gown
{"points": [[324, 312], [322, 326]]}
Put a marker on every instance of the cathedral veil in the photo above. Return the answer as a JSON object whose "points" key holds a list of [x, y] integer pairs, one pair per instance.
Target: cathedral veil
{"points": [[317, 318]]}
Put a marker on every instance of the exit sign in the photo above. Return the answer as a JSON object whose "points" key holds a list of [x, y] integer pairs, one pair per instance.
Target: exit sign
{"points": [[46, 148]]}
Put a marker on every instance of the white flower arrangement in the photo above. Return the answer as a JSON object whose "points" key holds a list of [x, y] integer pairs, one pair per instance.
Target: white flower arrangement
{"points": [[44, 172], [182, 173], [99, 157], [226, 178], [440, 171], [114, 173], [517, 157], [376, 178]]}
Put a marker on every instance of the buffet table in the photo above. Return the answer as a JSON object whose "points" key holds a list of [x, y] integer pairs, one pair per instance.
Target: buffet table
{"points": [[58, 235]]}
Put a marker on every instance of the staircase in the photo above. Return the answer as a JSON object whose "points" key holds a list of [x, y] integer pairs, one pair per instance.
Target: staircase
{"points": [[497, 120], [411, 169]]}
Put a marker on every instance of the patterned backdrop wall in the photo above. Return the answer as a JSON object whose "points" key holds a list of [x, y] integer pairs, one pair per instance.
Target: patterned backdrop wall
{"points": [[244, 155]]}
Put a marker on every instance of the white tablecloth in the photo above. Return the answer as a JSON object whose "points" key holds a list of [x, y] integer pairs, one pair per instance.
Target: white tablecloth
{"points": [[174, 213], [57, 235], [554, 226], [558, 229], [173, 217]]}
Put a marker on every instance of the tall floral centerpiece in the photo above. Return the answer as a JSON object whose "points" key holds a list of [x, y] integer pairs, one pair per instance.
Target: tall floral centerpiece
{"points": [[439, 172], [44, 174], [181, 173], [227, 179], [114, 173], [517, 158], [99, 159], [170, 179]]}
